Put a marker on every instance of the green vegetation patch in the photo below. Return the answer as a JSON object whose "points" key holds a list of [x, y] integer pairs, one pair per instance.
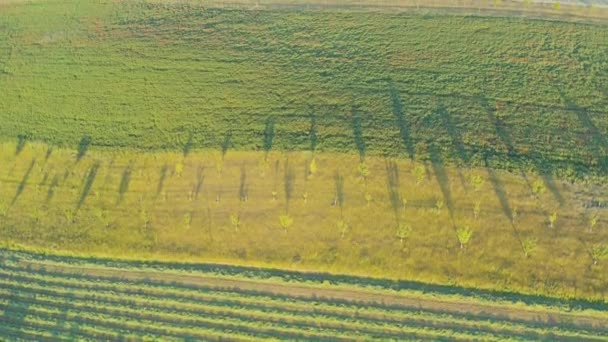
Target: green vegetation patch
{"points": [[510, 93]]}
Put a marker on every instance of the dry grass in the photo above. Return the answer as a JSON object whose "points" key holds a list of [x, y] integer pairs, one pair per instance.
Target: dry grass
{"points": [[126, 212]]}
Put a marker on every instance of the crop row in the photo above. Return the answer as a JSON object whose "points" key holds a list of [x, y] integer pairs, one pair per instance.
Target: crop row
{"points": [[302, 315], [285, 326]]}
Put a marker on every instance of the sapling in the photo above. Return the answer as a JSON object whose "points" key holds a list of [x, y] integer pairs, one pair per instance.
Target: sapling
{"points": [[464, 235], [342, 228], [552, 219], [286, 221], [403, 231], [235, 220]]}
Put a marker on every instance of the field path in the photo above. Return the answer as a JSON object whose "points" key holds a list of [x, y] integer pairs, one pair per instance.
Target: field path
{"points": [[450, 306]]}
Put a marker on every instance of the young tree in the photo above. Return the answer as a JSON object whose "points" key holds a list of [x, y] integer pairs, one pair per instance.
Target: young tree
{"points": [[235, 220], [514, 215], [599, 252], [285, 221], [438, 206], [187, 220], [179, 169], [552, 219], [363, 171], [419, 173], [312, 168], [305, 197], [342, 228], [477, 182], [403, 231], [477, 209], [538, 187], [464, 235], [593, 222], [368, 198], [528, 245]]}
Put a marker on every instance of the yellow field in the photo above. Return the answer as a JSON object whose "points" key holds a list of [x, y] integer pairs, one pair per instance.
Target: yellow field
{"points": [[235, 209]]}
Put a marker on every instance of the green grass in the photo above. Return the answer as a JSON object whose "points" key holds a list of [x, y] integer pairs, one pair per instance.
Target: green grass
{"points": [[509, 93], [73, 304]]}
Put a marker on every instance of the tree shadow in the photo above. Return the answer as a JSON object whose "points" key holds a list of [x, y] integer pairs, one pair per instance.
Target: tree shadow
{"points": [[22, 139], [23, 182], [402, 122], [550, 184], [188, 145], [599, 145], [269, 134], [500, 127], [453, 132], [49, 151], [289, 181], [83, 147], [124, 183], [442, 178], [243, 189], [88, 184], [312, 133], [456, 139], [393, 187], [52, 187], [358, 132], [226, 143], [501, 193], [161, 180], [200, 178], [339, 185]]}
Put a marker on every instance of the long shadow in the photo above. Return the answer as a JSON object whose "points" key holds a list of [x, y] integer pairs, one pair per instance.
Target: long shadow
{"points": [[22, 139], [124, 183], [88, 184], [83, 147], [402, 121], [51, 192], [188, 145], [550, 184], [49, 152], [456, 139], [226, 143], [502, 132], [358, 132], [500, 127], [269, 134], [339, 187], [289, 181], [501, 193], [200, 178], [453, 132], [599, 146], [442, 178], [243, 189], [24, 180], [161, 180], [312, 133], [393, 187]]}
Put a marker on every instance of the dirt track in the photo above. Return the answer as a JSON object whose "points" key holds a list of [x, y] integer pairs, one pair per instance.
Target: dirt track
{"points": [[335, 293]]}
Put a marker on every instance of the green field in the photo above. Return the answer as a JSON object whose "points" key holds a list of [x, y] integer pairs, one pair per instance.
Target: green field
{"points": [[509, 93], [63, 298], [355, 173]]}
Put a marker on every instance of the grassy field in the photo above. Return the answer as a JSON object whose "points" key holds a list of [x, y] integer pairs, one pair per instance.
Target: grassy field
{"points": [[66, 298], [510, 93], [461, 155], [387, 218]]}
